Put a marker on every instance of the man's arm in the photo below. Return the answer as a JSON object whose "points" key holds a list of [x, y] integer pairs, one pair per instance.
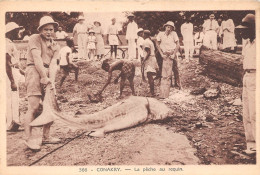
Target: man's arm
{"points": [[39, 66], [157, 43], [53, 65], [9, 72]]}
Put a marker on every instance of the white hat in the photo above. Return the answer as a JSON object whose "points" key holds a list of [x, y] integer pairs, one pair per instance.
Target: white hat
{"points": [[91, 31], [46, 20], [140, 30], [212, 15], [81, 18], [169, 23], [11, 26]]}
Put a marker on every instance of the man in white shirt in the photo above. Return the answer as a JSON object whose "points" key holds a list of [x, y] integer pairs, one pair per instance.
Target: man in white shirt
{"points": [[187, 33], [247, 31], [61, 34], [81, 30], [131, 37], [210, 29], [66, 64]]}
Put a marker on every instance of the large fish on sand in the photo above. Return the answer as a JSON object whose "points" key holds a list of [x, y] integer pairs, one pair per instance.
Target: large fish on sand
{"points": [[124, 114]]}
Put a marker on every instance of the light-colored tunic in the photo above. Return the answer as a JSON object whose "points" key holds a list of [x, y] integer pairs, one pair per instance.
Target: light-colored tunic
{"points": [[227, 29], [112, 37], [100, 50]]}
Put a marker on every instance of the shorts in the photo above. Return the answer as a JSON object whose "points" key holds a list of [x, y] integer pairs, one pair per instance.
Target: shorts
{"points": [[113, 40], [128, 69], [32, 82], [150, 65]]}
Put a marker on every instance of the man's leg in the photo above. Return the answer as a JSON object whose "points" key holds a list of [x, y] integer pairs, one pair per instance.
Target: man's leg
{"points": [[206, 40], [33, 105], [122, 84], [111, 50], [186, 50], [115, 51], [191, 43], [214, 41], [151, 82], [65, 73]]}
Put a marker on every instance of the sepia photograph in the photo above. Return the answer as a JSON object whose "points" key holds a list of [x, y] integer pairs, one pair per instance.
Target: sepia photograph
{"points": [[128, 87]]}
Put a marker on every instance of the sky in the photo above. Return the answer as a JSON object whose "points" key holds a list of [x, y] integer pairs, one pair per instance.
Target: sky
{"points": [[105, 19]]}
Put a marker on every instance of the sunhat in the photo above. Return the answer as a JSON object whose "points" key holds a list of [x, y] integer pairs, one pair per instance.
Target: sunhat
{"points": [[140, 30], [47, 20], [247, 21], [97, 22], [11, 26], [91, 31], [169, 23], [147, 32], [81, 18]]}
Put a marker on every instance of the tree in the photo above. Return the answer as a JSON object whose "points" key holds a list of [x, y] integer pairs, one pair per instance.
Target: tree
{"points": [[30, 20]]}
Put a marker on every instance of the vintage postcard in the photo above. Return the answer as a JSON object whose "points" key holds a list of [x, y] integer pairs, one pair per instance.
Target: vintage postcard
{"points": [[132, 87]]}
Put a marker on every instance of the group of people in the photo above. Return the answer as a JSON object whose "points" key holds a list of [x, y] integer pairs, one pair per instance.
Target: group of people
{"points": [[44, 53]]}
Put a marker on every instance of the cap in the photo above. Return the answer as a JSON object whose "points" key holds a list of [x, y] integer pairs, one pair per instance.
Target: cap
{"points": [[130, 15], [91, 31], [97, 22], [11, 26], [169, 23], [46, 20]]}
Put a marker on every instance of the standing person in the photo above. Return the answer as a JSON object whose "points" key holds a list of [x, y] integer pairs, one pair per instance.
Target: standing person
{"points": [[227, 32], [60, 34], [66, 64], [113, 38], [81, 30], [210, 30], [43, 53], [140, 40], [91, 44], [13, 75], [247, 31], [168, 46], [198, 39], [131, 36], [99, 33], [187, 33], [149, 64]]}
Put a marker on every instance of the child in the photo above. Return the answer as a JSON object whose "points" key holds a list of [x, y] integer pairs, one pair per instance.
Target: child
{"points": [[66, 64], [91, 44]]}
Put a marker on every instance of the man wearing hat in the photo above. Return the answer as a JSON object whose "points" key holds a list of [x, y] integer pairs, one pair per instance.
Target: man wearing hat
{"points": [[131, 36], [168, 43], [43, 53], [187, 33], [81, 30], [210, 30], [247, 31], [13, 75]]}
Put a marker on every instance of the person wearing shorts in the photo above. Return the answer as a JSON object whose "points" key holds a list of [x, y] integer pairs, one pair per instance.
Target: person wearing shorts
{"points": [[66, 64], [113, 38], [43, 53]]}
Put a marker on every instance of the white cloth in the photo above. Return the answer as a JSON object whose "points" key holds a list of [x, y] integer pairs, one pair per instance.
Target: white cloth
{"points": [[140, 42], [227, 29], [198, 37], [131, 31], [210, 39], [91, 42], [80, 28], [187, 31], [210, 25], [66, 50], [131, 48], [112, 38], [249, 53], [82, 46], [148, 44], [167, 42], [61, 34]]}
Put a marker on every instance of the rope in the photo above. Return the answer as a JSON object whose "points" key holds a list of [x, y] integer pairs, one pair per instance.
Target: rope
{"points": [[38, 160]]}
